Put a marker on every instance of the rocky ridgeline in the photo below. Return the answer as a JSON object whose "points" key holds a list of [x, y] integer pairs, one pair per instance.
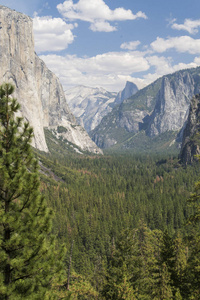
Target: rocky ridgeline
{"points": [[161, 107], [38, 90], [191, 134], [90, 105]]}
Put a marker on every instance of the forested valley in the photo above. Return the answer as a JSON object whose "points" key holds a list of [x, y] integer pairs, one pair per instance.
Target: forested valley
{"points": [[126, 223], [82, 226], [99, 184]]}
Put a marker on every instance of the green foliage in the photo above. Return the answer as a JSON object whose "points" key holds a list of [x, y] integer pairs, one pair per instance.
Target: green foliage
{"points": [[124, 214], [61, 129], [120, 269], [144, 99], [80, 289], [96, 197], [192, 284], [27, 262], [164, 143], [136, 258]]}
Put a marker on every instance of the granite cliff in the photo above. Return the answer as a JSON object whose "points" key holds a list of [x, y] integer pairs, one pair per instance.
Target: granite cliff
{"points": [[37, 89], [172, 103], [158, 109], [129, 90], [191, 134]]}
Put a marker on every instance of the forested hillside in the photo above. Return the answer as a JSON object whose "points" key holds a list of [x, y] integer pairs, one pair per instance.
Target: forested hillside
{"points": [[112, 227], [159, 110], [106, 207], [77, 223]]}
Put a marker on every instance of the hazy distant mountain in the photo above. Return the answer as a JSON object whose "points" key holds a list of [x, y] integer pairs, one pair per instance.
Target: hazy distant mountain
{"points": [[90, 105], [129, 90], [159, 109]]}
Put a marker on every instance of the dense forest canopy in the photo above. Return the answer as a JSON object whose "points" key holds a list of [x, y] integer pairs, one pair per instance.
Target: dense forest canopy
{"points": [[129, 224], [101, 200]]}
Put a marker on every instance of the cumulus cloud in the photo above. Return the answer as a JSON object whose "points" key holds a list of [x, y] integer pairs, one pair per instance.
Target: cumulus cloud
{"points": [[97, 13], [52, 34], [102, 26], [130, 45], [164, 65], [189, 25], [197, 60], [109, 70], [180, 44]]}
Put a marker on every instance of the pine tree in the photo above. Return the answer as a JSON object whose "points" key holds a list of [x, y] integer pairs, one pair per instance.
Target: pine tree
{"points": [[193, 264], [118, 283], [27, 262]]}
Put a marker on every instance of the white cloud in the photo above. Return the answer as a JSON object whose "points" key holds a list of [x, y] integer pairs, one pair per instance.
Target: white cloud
{"points": [[97, 13], [197, 60], [52, 34], [180, 44], [130, 45], [110, 70], [189, 25], [168, 69], [102, 26], [163, 65]]}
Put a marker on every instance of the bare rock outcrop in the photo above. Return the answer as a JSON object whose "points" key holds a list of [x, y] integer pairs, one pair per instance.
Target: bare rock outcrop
{"points": [[172, 103], [38, 90], [191, 135]]}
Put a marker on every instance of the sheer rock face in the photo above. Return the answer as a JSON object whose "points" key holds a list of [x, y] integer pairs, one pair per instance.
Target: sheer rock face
{"points": [[129, 90], [38, 90], [191, 134], [161, 107], [172, 104]]}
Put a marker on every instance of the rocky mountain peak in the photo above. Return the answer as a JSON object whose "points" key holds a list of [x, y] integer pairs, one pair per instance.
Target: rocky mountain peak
{"points": [[129, 90], [91, 105], [155, 113]]}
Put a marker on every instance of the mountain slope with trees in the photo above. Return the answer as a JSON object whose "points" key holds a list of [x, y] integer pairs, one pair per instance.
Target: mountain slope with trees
{"points": [[158, 109], [121, 219], [96, 199]]}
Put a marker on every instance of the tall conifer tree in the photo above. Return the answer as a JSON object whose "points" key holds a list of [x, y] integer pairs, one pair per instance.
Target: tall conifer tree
{"points": [[193, 263], [27, 262]]}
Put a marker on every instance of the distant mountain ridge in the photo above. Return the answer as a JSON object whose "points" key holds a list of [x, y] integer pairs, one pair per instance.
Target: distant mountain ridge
{"points": [[161, 107], [38, 90], [90, 105]]}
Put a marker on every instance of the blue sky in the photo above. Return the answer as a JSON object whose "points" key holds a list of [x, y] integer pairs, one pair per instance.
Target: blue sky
{"points": [[104, 43]]}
